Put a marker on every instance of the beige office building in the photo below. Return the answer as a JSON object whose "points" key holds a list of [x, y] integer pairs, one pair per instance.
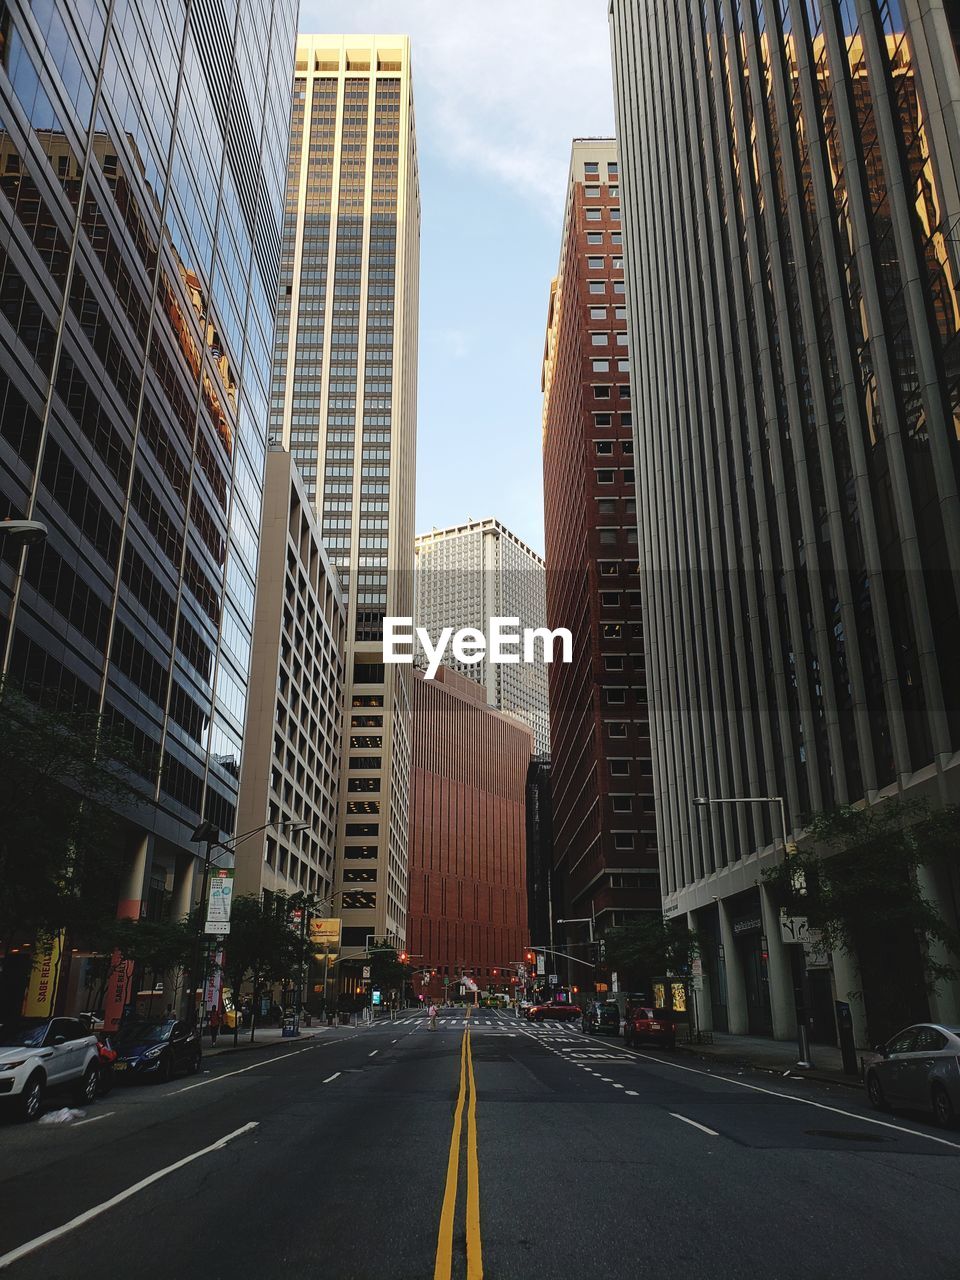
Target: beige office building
{"points": [[344, 403], [472, 572], [293, 738]]}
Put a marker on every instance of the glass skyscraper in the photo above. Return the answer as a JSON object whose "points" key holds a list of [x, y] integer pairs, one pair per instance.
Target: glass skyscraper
{"points": [[344, 403], [791, 214], [142, 177]]}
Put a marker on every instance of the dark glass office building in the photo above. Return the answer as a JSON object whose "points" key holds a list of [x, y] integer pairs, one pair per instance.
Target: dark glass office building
{"points": [[792, 236], [142, 171]]}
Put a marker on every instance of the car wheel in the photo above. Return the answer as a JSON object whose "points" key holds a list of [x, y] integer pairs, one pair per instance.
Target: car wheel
{"points": [[943, 1111], [165, 1070], [875, 1092], [31, 1099], [195, 1063], [85, 1090], [104, 1081]]}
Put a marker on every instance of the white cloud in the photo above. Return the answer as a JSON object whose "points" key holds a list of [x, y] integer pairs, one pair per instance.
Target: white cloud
{"points": [[502, 86], [453, 342]]}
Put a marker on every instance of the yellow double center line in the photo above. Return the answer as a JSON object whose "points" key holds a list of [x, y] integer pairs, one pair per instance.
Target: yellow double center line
{"points": [[443, 1268]]}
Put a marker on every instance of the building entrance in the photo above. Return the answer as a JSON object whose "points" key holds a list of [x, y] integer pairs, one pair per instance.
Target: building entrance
{"points": [[752, 953]]}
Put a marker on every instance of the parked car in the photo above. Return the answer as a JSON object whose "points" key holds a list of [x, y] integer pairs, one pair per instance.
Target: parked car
{"points": [[645, 1025], [37, 1054], [600, 1015], [918, 1068], [565, 1012], [157, 1049]]}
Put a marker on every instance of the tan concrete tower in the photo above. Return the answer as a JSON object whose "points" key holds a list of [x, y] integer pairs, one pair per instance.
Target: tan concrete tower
{"points": [[344, 403]]}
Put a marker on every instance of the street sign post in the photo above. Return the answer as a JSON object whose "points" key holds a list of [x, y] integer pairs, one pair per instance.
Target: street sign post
{"points": [[793, 928], [219, 901]]}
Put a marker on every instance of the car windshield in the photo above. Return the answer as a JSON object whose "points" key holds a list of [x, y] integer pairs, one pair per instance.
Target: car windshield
{"points": [[22, 1035], [145, 1033]]}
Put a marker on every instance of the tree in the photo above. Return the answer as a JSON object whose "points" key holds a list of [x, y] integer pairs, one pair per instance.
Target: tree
{"points": [[261, 947], [649, 946], [66, 780], [161, 949], [387, 971], [865, 898]]}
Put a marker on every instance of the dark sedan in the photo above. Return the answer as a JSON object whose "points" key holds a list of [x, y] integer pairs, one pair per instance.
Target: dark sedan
{"points": [[600, 1016], [157, 1049]]}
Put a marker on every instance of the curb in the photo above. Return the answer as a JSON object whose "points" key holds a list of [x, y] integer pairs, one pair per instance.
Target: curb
{"points": [[848, 1082], [247, 1047]]}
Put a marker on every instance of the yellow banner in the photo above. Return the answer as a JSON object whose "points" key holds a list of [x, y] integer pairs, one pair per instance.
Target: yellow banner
{"points": [[325, 932], [42, 987]]}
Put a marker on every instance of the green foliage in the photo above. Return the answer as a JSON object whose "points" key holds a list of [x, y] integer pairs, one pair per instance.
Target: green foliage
{"points": [[262, 947], [869, 883], [387, 973], [865, 898], [649, 946], [65, 782], [160, 948]]}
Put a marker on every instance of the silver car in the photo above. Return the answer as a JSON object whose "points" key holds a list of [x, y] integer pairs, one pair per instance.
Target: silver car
{"points": [[918, 1068]]}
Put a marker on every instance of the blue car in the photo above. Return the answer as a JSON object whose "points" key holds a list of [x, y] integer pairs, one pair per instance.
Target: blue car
{"points": [[157, 1049]]}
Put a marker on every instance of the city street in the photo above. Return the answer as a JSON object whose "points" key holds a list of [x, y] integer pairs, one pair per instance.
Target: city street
{"points": [[576, 1158]]}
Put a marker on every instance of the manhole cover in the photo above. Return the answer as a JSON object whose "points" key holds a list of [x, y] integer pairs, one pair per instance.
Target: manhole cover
{"points": [[845, 1135]]}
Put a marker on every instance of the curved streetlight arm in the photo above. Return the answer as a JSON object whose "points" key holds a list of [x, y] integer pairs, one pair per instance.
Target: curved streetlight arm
{"points": [[701, 802]]}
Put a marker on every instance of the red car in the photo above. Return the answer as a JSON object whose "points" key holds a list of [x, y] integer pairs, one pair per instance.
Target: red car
{"points": [[537, 1012], [644, 1025]]}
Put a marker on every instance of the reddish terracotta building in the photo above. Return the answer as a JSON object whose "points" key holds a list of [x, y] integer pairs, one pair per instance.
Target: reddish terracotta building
{"points": [[604, 832], [467, 909]]}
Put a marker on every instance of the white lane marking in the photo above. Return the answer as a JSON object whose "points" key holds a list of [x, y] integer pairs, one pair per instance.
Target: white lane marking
{"points": [[31, 1246], [632, 1093], [790, 1097], [333, 1077], [281, 1057], [702, 1127], [373, 1054], [94, 1119], [606, 1080], [618, 1086], [393, 1042]]}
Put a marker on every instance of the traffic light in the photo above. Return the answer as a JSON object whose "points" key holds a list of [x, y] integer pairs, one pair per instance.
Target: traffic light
{"points": [[403, 957], [495, 972], [531, 957]]}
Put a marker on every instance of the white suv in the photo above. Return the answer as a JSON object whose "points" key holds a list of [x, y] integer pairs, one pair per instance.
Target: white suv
{"points": [[37, 1054]]}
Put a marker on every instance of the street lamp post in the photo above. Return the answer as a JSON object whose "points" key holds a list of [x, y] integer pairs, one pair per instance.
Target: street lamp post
{"points": [[23, 533], [207, 832], [20, 534], [796, 952], [328, 902], [587, 920]]}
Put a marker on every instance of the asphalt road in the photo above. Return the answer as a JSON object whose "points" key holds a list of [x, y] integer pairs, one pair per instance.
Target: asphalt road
{"points": [[397, 1153]]}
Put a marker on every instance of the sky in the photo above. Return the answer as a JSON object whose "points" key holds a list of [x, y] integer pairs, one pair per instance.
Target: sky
{"points": [[500, 88]]}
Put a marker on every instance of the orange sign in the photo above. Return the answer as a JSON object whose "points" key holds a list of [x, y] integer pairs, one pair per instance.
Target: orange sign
{"points": [[42, 987]]}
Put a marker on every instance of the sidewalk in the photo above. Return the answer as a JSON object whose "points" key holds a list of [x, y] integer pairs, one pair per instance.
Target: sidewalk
{"points": [[778, 1056], [267, 1037]]}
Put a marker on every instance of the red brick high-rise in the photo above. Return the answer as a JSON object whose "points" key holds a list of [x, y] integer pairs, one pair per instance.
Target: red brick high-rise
{"points": [[604, 832], [468, 897]]}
